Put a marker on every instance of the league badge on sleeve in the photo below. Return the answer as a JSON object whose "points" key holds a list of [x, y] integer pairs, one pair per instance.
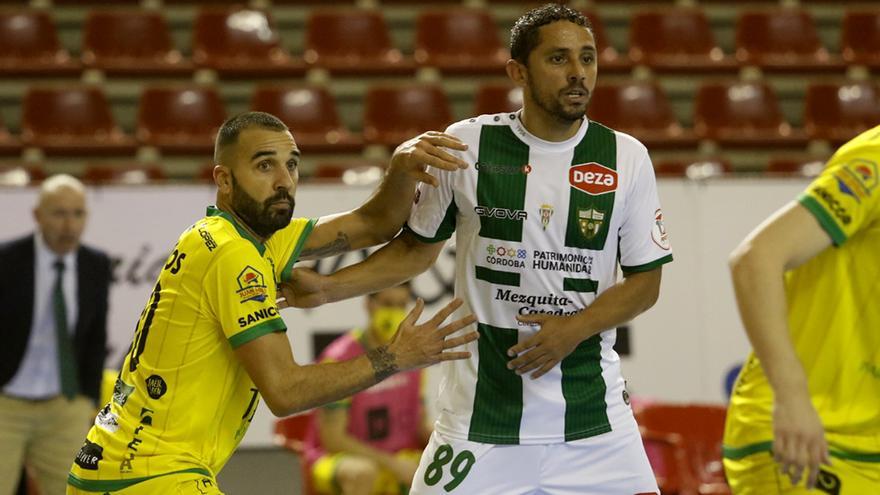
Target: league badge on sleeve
{"points": [[251, 285], [658, 232]]}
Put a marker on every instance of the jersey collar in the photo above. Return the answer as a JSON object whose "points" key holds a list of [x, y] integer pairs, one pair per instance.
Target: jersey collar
{"points": [[530, 139], [213, 211]]}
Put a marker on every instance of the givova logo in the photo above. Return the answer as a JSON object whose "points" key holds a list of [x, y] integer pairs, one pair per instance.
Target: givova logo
{"points": [[502, 213]]}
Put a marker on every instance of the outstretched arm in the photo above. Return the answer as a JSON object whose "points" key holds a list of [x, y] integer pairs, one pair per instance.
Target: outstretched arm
{"points": [[784, 241], [382, 216]]}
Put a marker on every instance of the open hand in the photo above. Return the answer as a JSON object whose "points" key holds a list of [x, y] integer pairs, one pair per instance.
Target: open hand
{"points": [[542, 351], [305, 289], [798, 439], [417, 346], [425, 150]]}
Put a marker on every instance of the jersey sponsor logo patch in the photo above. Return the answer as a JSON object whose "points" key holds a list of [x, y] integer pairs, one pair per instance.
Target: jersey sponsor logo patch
{"points": [[562, 262], [503, 169], [506, 256], [251, 285], [89, 455], [502, 213], [827, 482], [834, 206], [590, 221], [256, 316], [546, 211], [658, 231], [858, 178], [593, 178], [121, 392], [106, 420], [156, 386], [209, 240]]}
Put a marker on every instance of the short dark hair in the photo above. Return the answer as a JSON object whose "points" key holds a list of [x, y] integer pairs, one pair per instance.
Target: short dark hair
{"points": [[229, 131], [524, 34]]}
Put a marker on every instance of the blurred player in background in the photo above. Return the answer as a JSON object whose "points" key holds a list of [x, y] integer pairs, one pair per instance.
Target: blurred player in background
{"points": [[210, 340], [370, 443], [805, 411], [553, 207]]}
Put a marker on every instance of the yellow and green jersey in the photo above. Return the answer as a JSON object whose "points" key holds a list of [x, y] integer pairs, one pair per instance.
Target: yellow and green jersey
{"points": [[182, 401], [833, 316]]}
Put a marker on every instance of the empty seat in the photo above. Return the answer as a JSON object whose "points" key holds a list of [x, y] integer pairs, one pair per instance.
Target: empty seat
{"points": [[610, 60], [838, 112], [693, 168], [180, 119], [783, 39], [311, 115], [678, 39], [72, 121], [352, 41], [394, 114], [860, 38], [130, 42], [736, 113], [459, 41], [641, 109], [29, 46], [795, 166], [123, 173], [497, 98], [241, 42]]}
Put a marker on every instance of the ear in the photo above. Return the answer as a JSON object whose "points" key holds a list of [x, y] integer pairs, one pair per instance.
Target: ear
{"points": [[517, 73], [223, 178]]}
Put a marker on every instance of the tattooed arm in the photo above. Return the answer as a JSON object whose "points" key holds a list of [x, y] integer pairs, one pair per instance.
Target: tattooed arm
{"points": [[381, 217]]}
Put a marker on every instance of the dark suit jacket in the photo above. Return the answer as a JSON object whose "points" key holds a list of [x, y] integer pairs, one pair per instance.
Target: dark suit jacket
{"points": [[17, 307]]}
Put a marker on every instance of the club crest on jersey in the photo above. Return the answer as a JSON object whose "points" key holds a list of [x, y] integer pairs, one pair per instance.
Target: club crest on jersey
{"points": [[546, 211], [592, 178], [658, 232], [251, 285], [590, 220]]}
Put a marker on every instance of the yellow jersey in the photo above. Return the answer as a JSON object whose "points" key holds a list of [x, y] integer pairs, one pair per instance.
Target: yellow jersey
{"points": [[833, 316], [182, 401]]}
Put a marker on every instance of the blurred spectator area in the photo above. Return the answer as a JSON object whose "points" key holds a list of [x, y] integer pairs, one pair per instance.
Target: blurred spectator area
{"points": [[708, 81]]}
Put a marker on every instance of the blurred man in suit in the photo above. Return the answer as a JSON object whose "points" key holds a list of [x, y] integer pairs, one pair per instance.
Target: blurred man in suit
{"points": [[54, 305]]}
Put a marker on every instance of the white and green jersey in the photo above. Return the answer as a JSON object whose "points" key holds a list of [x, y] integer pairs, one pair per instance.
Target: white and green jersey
{"points": [[540, 228]]}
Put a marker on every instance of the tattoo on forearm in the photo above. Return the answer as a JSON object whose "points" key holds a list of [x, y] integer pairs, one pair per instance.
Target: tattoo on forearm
{"points": [[337, 246], [384, 362]]}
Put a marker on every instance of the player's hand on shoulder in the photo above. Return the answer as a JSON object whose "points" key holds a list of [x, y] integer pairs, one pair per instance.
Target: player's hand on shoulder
{"points": [[416, 154], [545, 349], [799, 444], [416, 346], [305, 289]]}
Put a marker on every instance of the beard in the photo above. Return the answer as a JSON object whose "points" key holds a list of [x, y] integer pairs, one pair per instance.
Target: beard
{"points": [[553, 107], [261, 217]]}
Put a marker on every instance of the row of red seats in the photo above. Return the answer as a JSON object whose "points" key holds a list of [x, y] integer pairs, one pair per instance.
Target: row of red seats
{"points": [[696, 168], [184, 119], [240, 42]]}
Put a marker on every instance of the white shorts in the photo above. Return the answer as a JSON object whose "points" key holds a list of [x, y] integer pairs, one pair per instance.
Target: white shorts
{"points": [[613, 463]]}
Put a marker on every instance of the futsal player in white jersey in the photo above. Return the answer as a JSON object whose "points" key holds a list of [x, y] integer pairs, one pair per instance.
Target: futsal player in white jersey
{"points": [[550, 208]]}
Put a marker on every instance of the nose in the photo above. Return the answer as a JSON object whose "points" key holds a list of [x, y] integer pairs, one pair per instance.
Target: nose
{"points": [[284, 179], [577, 72]]}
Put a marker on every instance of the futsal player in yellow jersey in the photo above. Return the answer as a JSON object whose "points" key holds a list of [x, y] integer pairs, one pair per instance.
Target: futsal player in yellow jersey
{"points": [[209, 342], [807, 280]]}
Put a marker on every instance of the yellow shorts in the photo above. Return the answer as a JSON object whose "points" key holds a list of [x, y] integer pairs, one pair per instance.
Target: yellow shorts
{"points": [[172, 484], [324, 474], [758, 474]]}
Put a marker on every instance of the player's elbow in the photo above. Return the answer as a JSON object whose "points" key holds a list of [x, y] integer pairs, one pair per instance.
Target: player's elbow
{"points": [[281, 404]]}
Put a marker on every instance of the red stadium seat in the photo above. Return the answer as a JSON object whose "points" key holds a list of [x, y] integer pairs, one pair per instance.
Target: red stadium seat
{"points": [[21, 175], [735, 113], [641, 109], [795, 166], [130, 42], [459, 41], [310, 113], [497, 98], [783, 39], [692, 435], [123, 173], [678, 39], [241, 42], [610, 60], [180, 119], [290, 433], [9, 144], [860, 38], [395, 114], [838, 112], [693, 168], [72, 121], [352, 42], [29, 46]]}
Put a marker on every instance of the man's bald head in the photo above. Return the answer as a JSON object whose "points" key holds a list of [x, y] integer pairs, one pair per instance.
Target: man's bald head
{"points": [[60, 213], [228, 134]]}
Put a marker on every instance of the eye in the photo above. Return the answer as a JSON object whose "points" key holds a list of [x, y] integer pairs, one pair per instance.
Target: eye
{"points": [[291, 165], [588, 59], [264, 165], [557, 59]]}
